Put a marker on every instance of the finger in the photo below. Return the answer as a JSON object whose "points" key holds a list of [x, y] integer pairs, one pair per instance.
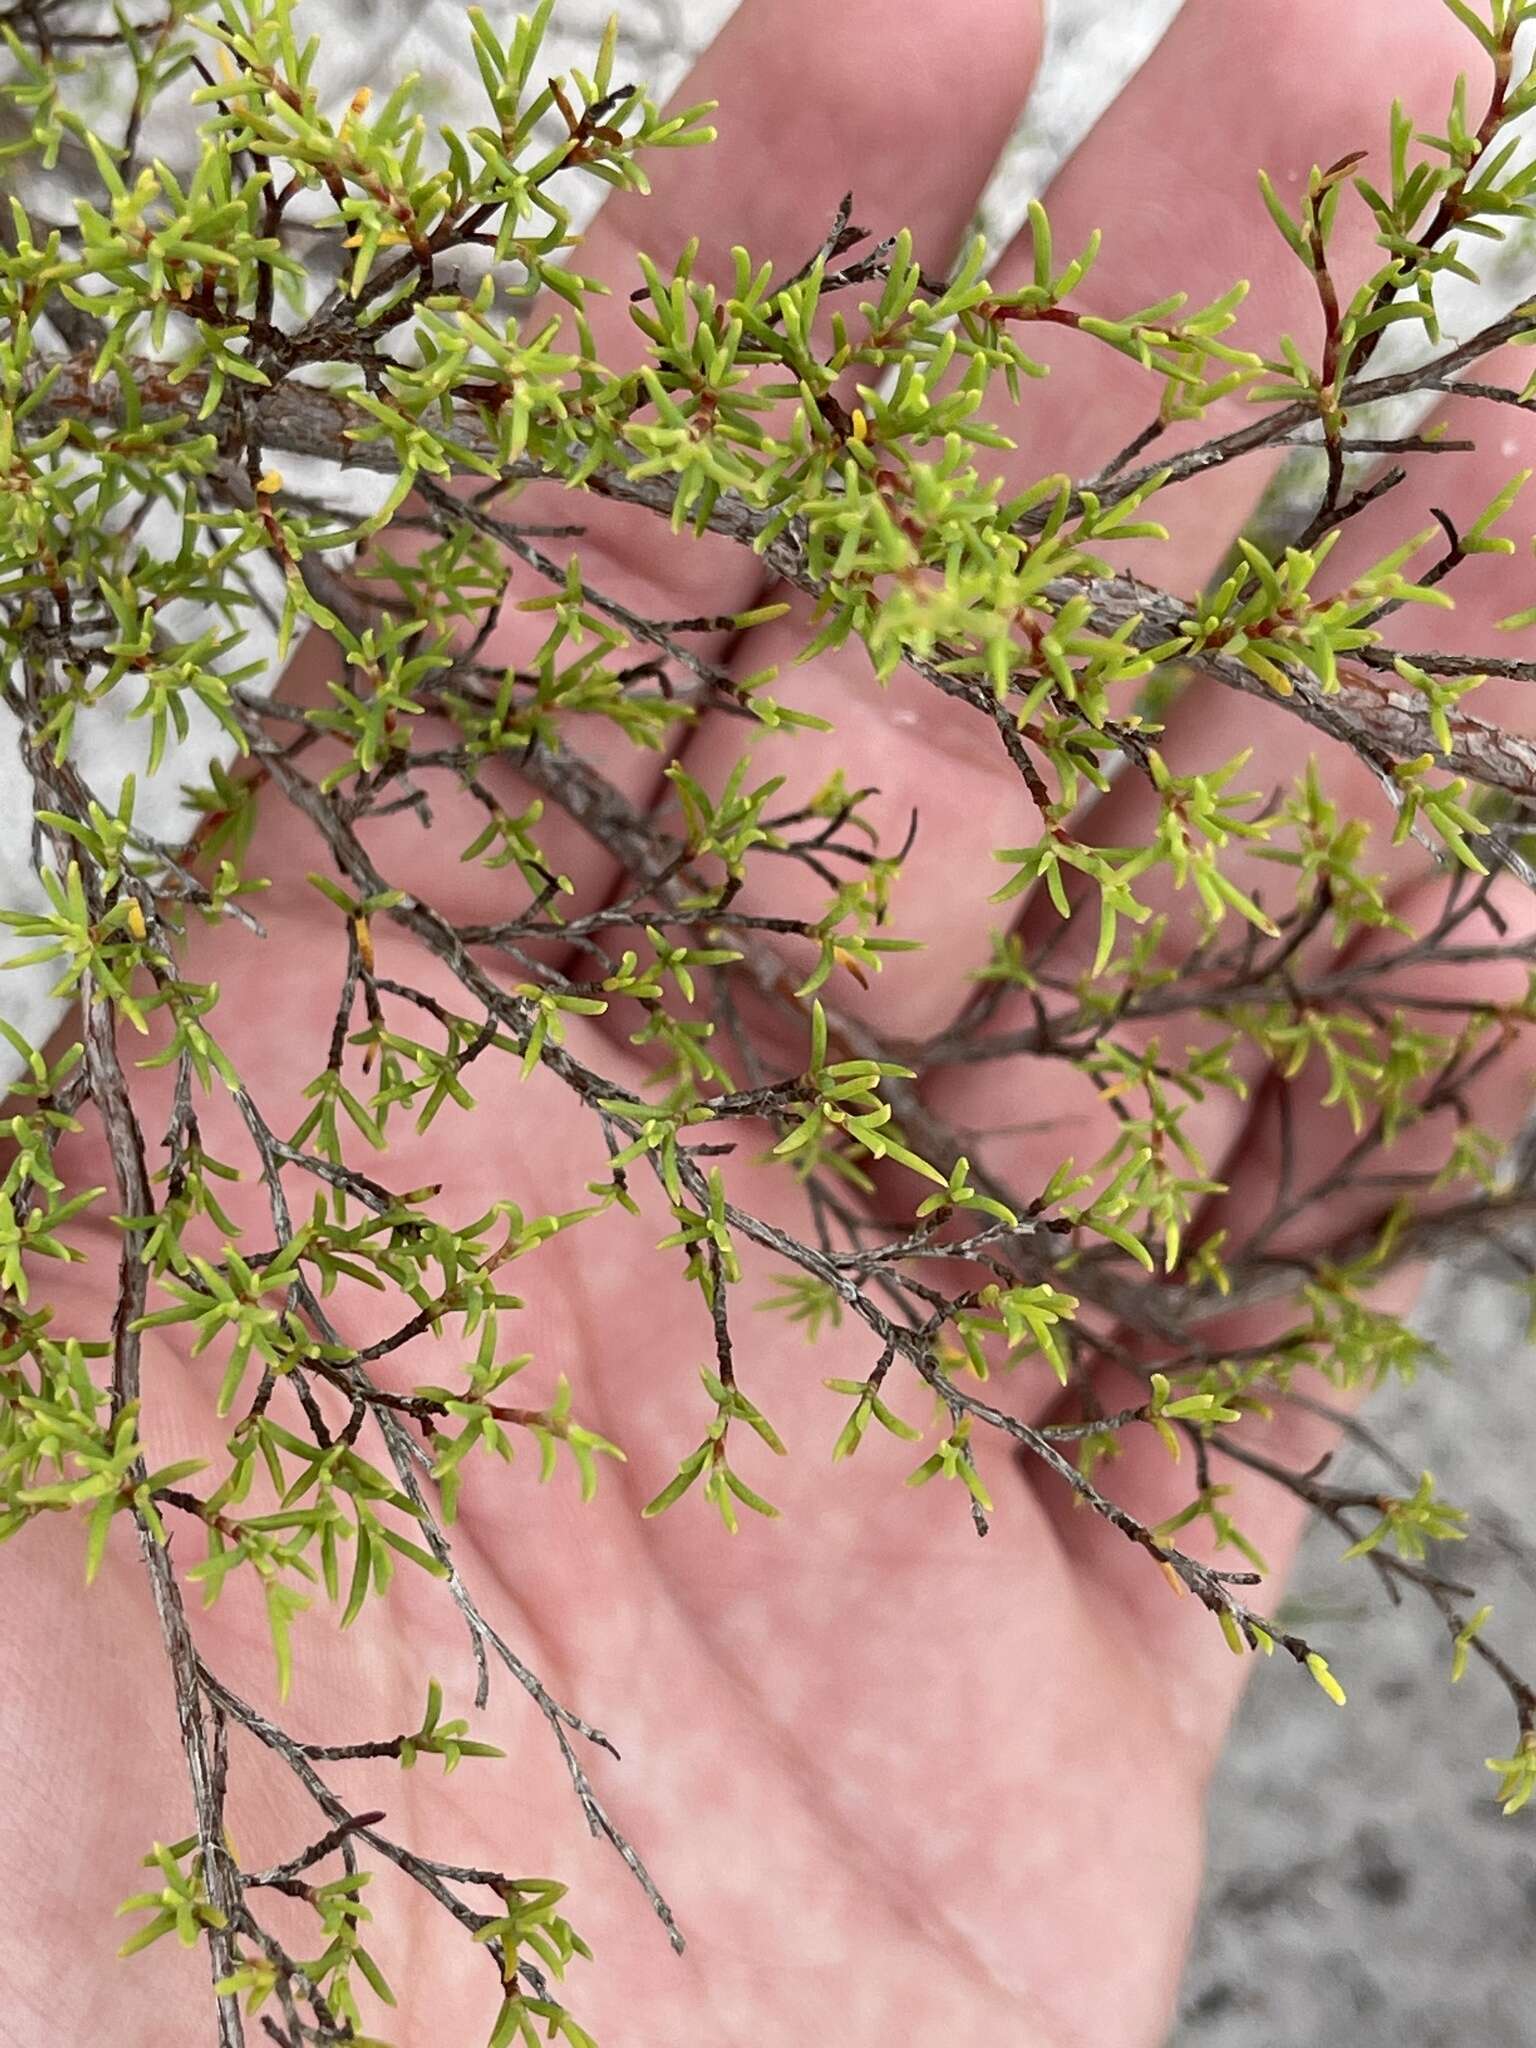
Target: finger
{"points": [[911, 111], [1308, 1178], [1170, 175], [1212, 725], [908, 108], [1306, 1186], [1176, 138]]}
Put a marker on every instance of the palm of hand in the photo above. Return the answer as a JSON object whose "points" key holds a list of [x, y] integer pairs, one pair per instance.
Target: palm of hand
{"points": [[812, 1717], [897, 1785]]}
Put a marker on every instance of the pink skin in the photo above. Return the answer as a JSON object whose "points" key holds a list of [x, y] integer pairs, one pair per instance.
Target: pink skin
{"points": [[899, 1786]]}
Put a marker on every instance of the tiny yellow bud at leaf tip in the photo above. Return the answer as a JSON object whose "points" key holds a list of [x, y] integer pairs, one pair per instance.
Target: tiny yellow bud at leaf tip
{"points": [[1318, 1666], [271, 483]]}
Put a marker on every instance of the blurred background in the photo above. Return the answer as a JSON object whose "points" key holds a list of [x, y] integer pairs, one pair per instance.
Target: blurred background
{"points": [[1363, 1887]]}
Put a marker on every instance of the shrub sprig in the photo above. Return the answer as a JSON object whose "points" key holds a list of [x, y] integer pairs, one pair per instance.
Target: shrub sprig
{"points": [[164, 351]]}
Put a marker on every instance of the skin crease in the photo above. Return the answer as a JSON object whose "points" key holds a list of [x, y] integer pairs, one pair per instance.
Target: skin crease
{"points": [[898, 1785]]}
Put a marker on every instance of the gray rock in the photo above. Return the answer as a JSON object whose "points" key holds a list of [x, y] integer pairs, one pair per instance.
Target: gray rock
{"points": [[1363, 1886]]}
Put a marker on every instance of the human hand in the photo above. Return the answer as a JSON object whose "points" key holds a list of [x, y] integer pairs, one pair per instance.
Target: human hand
{"points": [[897, 1785]]}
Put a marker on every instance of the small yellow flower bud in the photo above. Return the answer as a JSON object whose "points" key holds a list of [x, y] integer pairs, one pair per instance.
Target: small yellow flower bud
{"points": [[1318, 1666]]}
